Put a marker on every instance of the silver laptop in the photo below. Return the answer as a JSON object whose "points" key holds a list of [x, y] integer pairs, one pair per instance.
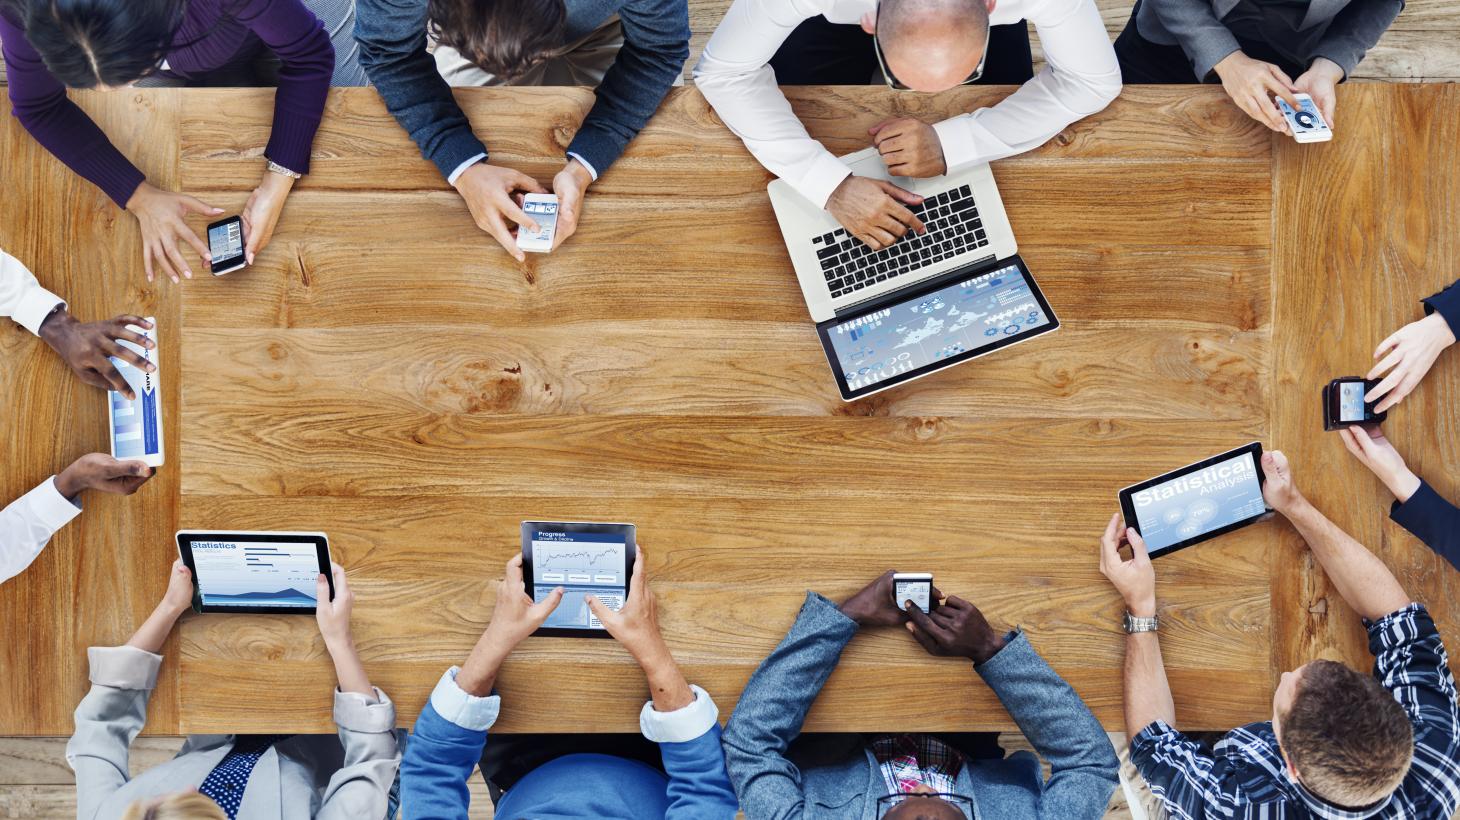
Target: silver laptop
{"points": [[926, 302]]}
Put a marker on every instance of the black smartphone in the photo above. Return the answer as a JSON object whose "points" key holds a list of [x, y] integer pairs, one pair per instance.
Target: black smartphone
{"points": [[1344, 405], [225, 245]]}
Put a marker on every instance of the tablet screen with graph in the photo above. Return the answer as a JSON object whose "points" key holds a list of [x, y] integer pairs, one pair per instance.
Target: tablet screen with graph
{"points": [[585, 559]]}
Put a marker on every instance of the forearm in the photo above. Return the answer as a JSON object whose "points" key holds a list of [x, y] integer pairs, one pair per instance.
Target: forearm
{"points": [[478, 673], [153, 633], [1147, 692], [667, 686], [1357, 29], [1360, 577], [349, 670]]}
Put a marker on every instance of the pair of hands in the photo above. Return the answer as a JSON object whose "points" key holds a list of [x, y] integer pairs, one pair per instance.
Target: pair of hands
{"points": [[955, 628], [332, 615], [874, 210], [1252, 85], [162, 216], [494, 195], [1135, 578]]}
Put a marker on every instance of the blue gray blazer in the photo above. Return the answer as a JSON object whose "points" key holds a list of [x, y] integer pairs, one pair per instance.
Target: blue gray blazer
{"points": [[774, 705]]}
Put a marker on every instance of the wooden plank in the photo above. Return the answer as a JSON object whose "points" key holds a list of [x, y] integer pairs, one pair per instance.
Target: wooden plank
{"points": [[97, 580], [1350, 288]]}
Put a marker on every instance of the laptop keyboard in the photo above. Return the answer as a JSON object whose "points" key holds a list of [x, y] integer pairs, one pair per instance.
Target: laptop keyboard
{"points": [[953, 227]]}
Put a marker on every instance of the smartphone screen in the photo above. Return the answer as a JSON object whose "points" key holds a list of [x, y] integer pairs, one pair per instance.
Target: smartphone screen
{"points": [[225, 244], [1351, 401], [919, 591]]}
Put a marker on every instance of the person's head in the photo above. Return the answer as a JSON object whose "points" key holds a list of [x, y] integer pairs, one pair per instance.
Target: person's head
{"points": [[102, 44], [506, 38], [1345, 737], [187, 805], [930, 45], [924, 804]]}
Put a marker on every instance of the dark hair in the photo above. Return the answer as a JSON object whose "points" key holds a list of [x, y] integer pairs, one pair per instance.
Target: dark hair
{"points": [[503, 38], [1349, 739], [87, 43]]}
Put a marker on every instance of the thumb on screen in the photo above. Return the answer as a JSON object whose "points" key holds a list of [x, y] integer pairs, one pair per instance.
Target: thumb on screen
{"points": [[543, 608], [1137, 543]]}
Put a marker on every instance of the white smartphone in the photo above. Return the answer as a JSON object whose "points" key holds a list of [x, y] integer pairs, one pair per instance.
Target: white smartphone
{"points": [[1306, 122], [543, 208], [913, 586], [136, 424]]}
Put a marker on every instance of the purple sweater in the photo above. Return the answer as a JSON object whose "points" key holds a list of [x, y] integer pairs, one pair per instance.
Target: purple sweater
{"points": [[228, 29]]}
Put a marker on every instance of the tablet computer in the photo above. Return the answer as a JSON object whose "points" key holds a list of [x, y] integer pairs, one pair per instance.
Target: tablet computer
{"points": [[136, 424], [583, 559], [255, 571], [1197, 502], [923, 329]]}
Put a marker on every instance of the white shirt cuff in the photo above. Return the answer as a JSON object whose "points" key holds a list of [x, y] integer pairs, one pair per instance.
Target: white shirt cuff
{"points": [[959, 146], [34, 307], [53, 509], [593, 172], [823, 177], [467, 711], [681, 725], [451, 180]]}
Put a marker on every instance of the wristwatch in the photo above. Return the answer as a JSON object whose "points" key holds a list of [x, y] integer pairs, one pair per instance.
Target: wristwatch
{"points": [[276, 168], [1133, 624]]}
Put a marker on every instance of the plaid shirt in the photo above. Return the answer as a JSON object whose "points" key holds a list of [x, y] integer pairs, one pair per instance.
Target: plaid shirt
{"points": [[1245, 776], [909, 761]]}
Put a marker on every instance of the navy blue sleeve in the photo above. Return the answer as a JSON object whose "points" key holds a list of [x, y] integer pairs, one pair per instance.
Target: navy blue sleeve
{"points": [[439, 758], [1447, 304], [1433, 520]]}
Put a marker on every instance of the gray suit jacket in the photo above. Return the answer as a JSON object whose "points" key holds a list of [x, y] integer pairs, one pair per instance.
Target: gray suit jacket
{"points": [[304, 777], [845, 784], [1354, 26]]}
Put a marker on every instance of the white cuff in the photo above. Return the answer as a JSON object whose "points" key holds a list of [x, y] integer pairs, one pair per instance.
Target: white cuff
{"points": [[53, 509], [34, 307], [593, 172], [451, 180], [682, 725], [824, 175], [123, 667], [467, 711], [959, 146]]}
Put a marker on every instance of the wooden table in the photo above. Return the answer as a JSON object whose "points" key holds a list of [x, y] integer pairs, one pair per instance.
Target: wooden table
{"points": [[386, 374]]}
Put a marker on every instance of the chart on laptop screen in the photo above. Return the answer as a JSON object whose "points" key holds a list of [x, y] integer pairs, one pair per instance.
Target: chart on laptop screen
{"points": [[964, 316]]}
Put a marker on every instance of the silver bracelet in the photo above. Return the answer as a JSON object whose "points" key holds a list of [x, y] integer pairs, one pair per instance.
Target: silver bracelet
{"points": [[276, 168]]}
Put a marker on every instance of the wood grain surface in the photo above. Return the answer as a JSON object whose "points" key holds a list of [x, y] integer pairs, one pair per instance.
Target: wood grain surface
{"points": [[387, 375]]}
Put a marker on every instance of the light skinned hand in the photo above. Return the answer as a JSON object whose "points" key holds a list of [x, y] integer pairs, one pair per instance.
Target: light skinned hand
{"points": [[873, 210], [179, 594], [1133, 578], [1252, 84], [1320, 82], [333, 616], [636, 623], [1278, 489], [1373, 449], [516, 616], [1408, 355], [261, 212], [491, 193], [162, 216], [99, 471], [909, 147], [87, 347], [569, 185]]}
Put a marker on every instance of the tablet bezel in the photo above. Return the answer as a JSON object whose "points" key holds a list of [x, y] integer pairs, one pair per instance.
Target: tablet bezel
{"points": [[631, 553], [185, 539], [823, 329], [1128, 510]]}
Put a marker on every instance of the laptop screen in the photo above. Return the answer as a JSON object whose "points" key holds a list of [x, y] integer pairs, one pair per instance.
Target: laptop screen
{"points": [[931, 329]]}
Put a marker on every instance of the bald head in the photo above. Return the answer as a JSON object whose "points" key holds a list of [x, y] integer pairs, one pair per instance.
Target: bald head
{"points": [[932, 45]]}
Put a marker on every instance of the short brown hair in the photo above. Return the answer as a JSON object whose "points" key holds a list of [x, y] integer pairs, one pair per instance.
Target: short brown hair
{"points": [[1347, 736], [503, 38]]}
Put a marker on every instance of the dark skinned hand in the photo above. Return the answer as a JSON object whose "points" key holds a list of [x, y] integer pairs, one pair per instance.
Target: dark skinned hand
{"points": [[873, 605], [88, 346], [955, 630]]}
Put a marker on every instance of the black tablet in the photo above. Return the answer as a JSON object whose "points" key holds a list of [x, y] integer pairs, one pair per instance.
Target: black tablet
{"points": [[583, 559], [255, 571], [1197, 502], [948, 320]]}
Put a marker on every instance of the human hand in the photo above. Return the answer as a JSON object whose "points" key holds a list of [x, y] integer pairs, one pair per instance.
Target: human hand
{"points": [[955, 629], [636, 623], [333, 616], [99, 471], [179, 595], [516, 616], [1319, 82], [1373, 450], [1134, 579], [1279, 490], [569, 186], [491, 196], [1252, 83], [873, 605], [87, 347], [162, 217], [872, 210], [909, 147], [1411, 350], [261, 212]]}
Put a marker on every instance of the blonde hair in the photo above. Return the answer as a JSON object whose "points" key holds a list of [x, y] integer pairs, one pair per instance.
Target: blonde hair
{"points": [[184, 806]]}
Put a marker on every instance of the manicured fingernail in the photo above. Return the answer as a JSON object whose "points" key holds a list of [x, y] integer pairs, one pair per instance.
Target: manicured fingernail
{"points": [[187, 273]]}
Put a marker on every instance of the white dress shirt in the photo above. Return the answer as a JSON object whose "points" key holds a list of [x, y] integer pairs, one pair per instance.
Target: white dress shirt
{"points": [[1081, 76], [21, 296]]}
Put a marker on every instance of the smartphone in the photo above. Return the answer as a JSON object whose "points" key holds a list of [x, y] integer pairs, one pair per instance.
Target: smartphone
{"points": [[1344, 405], [913, 586], [225, 245], [543, 208], [136, 424], [1306, 122]]}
